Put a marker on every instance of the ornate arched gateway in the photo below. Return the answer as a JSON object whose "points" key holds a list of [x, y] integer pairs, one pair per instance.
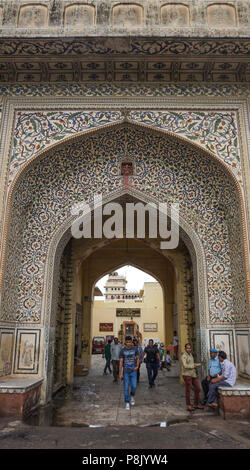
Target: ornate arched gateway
{"points": [[42, 263], [90, 93]]}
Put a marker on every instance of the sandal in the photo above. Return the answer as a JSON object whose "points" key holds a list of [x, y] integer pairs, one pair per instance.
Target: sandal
{"points": [[190, 408], [212, 405], [199, 407]]}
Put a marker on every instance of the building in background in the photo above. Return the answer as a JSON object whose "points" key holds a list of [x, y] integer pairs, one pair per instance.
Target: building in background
{"points": [[138, 314]]}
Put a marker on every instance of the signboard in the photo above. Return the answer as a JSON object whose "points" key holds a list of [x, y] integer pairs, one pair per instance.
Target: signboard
{"points": [[105, 326], [150, 326], [128, 312]]}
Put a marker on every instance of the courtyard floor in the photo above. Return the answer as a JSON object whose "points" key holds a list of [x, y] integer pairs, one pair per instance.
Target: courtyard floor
{"points": [[91, 415]]}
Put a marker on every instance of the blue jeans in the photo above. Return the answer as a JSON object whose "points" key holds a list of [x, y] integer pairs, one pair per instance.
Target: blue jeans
{"points": [[212, 395], [152, 370], [107, 366], [129, 379]]}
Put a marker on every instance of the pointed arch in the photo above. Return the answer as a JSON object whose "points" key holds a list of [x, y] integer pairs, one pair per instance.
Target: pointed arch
{"points": [[136, 125]]}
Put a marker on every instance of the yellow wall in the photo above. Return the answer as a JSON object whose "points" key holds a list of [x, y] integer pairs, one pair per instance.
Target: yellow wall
{"points": [[151, 312], [168, 266]]}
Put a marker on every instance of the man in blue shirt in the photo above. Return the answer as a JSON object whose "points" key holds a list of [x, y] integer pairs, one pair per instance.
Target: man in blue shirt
{"points": [[129, 361], [214, 368], [226, 378]]}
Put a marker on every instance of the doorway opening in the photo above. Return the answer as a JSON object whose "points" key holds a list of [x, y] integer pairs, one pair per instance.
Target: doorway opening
{"points": [[131, 304], [133, 311]]}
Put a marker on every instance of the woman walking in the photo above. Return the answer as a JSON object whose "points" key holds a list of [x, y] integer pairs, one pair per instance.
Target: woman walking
{"points": [[190, 378]]}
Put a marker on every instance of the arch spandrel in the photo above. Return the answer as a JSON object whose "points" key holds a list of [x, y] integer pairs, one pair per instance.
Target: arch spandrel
{"points": [[37, 133], [161, 185]]}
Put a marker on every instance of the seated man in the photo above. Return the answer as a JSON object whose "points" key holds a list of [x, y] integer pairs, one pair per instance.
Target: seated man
{"points": [[214, 368], [226, 378]]}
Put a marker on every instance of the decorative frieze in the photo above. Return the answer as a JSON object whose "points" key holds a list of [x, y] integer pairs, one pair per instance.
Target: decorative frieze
{"points": [[127, 90]]}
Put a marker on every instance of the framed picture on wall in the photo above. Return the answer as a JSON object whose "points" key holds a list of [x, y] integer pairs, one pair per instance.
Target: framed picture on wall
{"points": [[150, 327], [223, 341], [6, 344], [105, 326], [27, 351], [243, 352]]}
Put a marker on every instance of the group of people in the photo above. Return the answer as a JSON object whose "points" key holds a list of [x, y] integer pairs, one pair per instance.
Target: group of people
{"points": [[127, 360], [221, 373]]}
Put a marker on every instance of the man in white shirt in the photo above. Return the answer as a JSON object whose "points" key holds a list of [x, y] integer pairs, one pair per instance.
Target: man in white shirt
{"points": [[226, 378], [115, 358]]}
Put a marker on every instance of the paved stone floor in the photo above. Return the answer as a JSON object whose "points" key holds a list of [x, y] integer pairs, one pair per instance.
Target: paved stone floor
{"points": [[92, 416], [97, 400]]}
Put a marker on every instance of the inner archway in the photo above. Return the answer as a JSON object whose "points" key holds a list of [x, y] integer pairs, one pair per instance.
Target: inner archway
{"points": [[88, 263]]}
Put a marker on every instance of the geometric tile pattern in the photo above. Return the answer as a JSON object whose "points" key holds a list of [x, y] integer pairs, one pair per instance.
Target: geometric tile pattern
{"points": [[169, 170], [129, 89]]}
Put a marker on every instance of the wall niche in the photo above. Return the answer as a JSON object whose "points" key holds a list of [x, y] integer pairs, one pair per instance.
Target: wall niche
{"points": [[33, 16], [175, 14], [128, 15], [221, 14], [79, 16]]}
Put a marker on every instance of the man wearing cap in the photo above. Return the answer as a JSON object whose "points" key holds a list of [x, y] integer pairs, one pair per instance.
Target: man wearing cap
{"points": [[227, 378], [214, 368]]}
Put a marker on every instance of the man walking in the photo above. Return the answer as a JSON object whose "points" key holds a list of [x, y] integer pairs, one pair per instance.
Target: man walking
{"points": [[107, 355], [115, 358], [214, 368], [226, 378], [152, 362], [129, 362]]}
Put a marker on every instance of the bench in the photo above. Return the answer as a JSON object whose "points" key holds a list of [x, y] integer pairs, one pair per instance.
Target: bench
{"points": [[234, 402], [19, 396]]}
